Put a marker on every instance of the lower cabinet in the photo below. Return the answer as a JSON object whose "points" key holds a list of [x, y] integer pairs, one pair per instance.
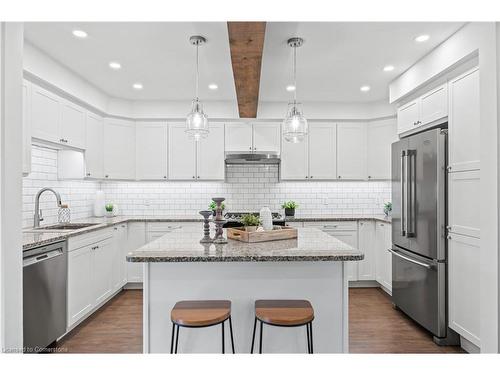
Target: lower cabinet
{"points": [[135, 239], [383, 258], [120, 240], [366, 241]]}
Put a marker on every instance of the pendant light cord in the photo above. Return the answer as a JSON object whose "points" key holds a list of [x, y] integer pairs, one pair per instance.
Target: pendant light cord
{"points": [[197, 71], [295, 73]]}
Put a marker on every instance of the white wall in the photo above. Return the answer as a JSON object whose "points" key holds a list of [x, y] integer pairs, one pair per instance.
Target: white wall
{"points": [[481, 39], [11, 315]]}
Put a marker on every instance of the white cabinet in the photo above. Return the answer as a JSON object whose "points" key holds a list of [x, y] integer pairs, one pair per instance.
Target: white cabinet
{"points": [[151, 150], [119, 149], [72, 125], [190, 160], [464, 286], [239, 137], [26, 128], [267, 137], [119, 277], [135, 239], [428, 108], [380, 135], [383, 263], [366, 240], [322, 151], [464, 191], [80, 295], [210, 155], [102, 270], [94, 163], [464, 122], [45, 114], [294, 161], [351, 151]]}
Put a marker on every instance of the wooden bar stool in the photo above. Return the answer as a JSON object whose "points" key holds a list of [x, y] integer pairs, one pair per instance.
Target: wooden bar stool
{"points": [[284, 313], [200, 314]]}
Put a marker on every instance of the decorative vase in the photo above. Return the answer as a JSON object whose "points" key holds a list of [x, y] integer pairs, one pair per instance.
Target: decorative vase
{"points": [[266, 218], [290, 212]]}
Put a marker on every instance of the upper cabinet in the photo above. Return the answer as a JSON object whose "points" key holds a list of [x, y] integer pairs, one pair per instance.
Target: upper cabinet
{"points": [[322, 151], [380, 135], [351, 151], [151, 150], [464, 126], [424, 110], [294, 161], [94, 162], [245, 137], [55, 119], [210, 155], [119, 149]]}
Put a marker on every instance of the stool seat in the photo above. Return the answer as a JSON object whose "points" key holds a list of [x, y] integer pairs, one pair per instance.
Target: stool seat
{"points": [[200, 313], [284, 312]]}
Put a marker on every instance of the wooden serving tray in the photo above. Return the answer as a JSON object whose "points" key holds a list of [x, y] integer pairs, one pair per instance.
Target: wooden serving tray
{"points": [[285, 233]]}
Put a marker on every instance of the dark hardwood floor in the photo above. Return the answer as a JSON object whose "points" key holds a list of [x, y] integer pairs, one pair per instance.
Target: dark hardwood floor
{"points": [[374, 327]]}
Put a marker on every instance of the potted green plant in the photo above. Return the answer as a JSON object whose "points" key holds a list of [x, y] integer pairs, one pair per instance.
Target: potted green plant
{"points": [[251, 222], [212, 206], [109, 209], [290, 207], [387, 208]]}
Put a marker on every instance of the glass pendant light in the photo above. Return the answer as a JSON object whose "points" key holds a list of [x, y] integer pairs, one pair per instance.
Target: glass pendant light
{"points": [[197, 120], [295, 126]]}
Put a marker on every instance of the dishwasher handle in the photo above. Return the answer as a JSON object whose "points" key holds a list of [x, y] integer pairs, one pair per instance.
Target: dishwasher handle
{"points": [[42, 257]]}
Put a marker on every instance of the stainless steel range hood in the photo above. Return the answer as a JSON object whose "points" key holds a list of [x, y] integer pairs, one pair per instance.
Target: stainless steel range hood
{"points": [[257, 157]]}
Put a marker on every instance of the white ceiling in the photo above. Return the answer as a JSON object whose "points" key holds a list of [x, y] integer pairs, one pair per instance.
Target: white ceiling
{"points": [[336, 59], [157, 54]]}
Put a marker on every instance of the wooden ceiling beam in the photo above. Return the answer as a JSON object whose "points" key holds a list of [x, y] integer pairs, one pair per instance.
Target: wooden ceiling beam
{"points": [[246, 41]]}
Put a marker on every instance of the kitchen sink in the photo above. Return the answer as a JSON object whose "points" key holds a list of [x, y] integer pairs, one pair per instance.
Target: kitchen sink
{"points": [[64, 227]]}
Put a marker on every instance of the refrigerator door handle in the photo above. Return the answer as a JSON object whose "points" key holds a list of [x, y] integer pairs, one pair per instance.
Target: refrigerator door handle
{"points": [[410, 194], [428, 266], [402, 182]]}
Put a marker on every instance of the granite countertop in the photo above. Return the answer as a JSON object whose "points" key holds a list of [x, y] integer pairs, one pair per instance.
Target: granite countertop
{"points": [[182, 245], [34, 238]]}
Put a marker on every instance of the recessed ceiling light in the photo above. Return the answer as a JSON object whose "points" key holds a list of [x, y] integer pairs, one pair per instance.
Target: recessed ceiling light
{"points": [[422, 38], [290, 88], [80, 34], [115, 65], [365, 88], [137, 86], [388, 68], [213, 86]]}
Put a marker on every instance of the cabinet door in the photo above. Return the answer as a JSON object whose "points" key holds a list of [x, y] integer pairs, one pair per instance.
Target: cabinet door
{"points": [[119, 254], [119, 149], [464, 126], [181, 154], [408, 116], [45, 114], [322, 151], [151, 150], [350, 238], [380, 136], [388, 258], [136, 237], [26, 128], [94, 163], [72, 126], [239, 137], [434, 105], [294, 160], [102, 266], [463, 209], [80, 294], [366, 267], [266, 137], [210, 155], [379, 243], [464, 286], [351, 151]]}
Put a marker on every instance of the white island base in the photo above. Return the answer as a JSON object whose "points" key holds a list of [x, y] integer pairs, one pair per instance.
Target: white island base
{"points": [[323, 283]]}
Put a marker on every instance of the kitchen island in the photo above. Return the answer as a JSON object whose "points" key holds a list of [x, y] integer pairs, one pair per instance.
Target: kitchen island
{"points": [[178, 267]]}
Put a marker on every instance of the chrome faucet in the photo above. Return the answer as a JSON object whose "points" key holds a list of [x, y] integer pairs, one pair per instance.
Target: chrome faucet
{"points": [[38, 212]]}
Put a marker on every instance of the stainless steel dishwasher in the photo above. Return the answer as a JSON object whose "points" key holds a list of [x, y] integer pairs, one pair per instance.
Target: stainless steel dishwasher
{"points": [[44, 295]]}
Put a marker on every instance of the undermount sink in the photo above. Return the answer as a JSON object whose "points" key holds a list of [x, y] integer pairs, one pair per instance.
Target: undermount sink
{"points": [[65, 226]]}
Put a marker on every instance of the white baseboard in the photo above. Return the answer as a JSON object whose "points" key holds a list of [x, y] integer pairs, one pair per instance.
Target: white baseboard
{"points": [[468, 346], [364, 284], [133, 286]]}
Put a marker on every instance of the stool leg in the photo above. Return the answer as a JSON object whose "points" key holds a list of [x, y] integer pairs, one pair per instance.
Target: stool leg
{"points": [[308, 339], [231, 331], [172, 341], [253, 335], [222, 337], [177, 339], [260, 344], [311, 329]]}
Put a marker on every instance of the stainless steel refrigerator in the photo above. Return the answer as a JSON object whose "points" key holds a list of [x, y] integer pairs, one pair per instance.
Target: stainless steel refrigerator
{"points": [[419, 271]]}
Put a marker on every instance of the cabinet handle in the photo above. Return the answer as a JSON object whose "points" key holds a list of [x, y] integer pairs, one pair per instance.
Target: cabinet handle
{"points": [[194, 177], [307, 176], [115, 228], [88, 173], [381, 225], [198, 177], [448, 168], [123, 225], [448, 227], [449, 236], [255, 148], [340, 176], [164, 176], [369, 177], [250, 148]]}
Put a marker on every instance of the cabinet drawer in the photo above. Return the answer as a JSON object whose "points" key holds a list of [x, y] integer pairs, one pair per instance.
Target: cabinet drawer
{"points": [[333, 225], [89, 238], [163, 226]]}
